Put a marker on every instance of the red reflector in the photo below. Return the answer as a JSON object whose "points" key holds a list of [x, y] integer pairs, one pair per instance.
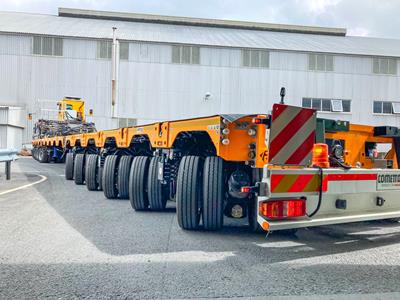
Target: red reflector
{"points": [[257, 121], [246, 189], [283, 208]]}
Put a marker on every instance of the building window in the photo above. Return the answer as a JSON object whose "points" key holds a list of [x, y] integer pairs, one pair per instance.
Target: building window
{"points": [[104, 50], [43, 45], [255, 58], [124, 51], [327, 105], [384, 66], [320, 62], [186, 55], [386, 107]]}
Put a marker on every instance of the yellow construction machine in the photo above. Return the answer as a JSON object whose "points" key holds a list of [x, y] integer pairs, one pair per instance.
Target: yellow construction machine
{"points": [[71, 108]]}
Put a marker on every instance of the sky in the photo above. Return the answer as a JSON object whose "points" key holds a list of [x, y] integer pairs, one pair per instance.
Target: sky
{"points": [[376, 18]]}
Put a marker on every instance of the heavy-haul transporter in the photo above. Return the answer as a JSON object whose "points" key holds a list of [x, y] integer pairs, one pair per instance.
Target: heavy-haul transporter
{"points": [[284, 170]]}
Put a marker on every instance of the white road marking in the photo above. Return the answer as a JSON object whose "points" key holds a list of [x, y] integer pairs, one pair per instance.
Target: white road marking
{"points": [[280, 244], [345, 242], [43, 178], [393, 228]]}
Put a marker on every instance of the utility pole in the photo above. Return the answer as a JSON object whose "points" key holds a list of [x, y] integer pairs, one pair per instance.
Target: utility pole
{"points": [[114, 72]]}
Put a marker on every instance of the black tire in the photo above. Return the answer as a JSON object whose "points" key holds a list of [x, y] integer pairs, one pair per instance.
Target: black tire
{"points": [[43, 155], [252, 215], [33, 153], [124, 168], [138, 183], [69, 166], [46, 157], [91, 172], [189, 192], [79, 169], [100, 177], [156, 191], [213, 193], [253, 203], [109, 177]]}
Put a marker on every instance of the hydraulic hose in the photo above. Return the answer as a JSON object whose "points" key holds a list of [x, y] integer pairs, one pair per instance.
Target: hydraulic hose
{"points": [[321, 179]]}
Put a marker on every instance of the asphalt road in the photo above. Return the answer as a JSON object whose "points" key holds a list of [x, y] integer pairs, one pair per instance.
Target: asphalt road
{"points": [[57, 240]]}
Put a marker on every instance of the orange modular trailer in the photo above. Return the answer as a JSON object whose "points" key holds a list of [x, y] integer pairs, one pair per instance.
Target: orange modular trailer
{"points": [[235, 138], [244, 140], [203, 163]]}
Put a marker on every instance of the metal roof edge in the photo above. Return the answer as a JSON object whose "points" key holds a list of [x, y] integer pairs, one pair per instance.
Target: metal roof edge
{"points": [[202, 22]]}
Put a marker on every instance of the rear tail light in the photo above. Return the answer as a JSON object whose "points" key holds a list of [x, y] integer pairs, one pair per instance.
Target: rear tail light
{"points": [[281, 209]]}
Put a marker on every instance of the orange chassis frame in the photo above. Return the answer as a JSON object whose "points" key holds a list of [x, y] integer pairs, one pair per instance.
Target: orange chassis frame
{"points": [[247, 141], [162, 135]]}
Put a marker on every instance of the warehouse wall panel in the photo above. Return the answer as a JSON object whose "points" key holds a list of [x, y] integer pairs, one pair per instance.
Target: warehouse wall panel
{"points": [[151, 87]]}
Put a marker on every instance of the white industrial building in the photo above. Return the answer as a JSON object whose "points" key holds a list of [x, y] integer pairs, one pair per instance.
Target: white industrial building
{"points": [[173, 67]]}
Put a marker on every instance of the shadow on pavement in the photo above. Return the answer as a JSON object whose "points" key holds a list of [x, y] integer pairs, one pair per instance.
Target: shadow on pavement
{"points": [[115, 228]]}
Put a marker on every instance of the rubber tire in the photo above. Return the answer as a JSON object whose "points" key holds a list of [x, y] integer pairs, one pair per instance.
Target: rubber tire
{"points": [[33, 153], [138, 183], [252, 215], [91, 172], [69, 166], [189, 192], [124, 168], [252, 207], [109, 177], [156, 191], [79, 169], [100, 177], [43, 155], [213, 193]]}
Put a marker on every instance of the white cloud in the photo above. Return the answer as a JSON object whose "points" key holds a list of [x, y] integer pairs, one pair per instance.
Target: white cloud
{"points": [[319, 6]]}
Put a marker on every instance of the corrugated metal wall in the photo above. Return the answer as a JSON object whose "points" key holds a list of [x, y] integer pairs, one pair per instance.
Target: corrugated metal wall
{"points": [[17, 116], [4, 115], [12, 127], [152, 88], [14, 137], [3, 136]]}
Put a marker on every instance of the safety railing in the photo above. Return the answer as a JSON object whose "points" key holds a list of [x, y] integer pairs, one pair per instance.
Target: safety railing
{"points": [[7, 156]]}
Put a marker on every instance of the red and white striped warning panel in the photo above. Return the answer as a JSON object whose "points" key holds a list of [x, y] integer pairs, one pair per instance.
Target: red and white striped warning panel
{"points": [[292, 135]]}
